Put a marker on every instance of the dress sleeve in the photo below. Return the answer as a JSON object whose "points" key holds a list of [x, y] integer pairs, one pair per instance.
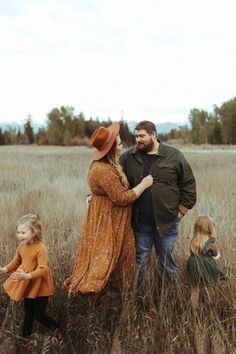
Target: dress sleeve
{"points": [[15, 263], [212, 248], [215, 251], [111, 184], [42, 260]]}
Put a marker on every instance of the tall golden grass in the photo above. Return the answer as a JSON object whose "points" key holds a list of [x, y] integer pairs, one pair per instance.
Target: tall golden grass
{"points": [[52, 182]]}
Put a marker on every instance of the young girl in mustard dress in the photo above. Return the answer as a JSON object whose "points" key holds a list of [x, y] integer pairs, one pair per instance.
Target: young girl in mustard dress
{"points": [[202, 270], [31, 279]]}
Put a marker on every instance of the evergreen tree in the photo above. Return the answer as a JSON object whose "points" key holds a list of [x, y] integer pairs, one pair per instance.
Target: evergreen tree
{"points": [[2, 138], [28, 131], [126, 136]]}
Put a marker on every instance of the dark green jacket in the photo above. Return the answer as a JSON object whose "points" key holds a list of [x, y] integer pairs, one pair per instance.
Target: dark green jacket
{"points": [[174, 186]]}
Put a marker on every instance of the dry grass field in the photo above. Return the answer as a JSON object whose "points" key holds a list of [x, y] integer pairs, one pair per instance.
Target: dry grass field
{"points": [[51, 181]]}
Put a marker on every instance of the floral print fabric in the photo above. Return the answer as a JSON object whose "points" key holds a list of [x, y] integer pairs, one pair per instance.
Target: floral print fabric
{"points": [[106, 247]]}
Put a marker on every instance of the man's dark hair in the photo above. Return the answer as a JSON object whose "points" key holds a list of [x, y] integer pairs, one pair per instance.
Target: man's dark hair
{"points": [[146, 125]]}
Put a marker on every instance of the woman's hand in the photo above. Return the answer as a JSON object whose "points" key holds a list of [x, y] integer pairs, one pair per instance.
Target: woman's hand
{"points": [[147, 181], [144, 184], [20, 275]]}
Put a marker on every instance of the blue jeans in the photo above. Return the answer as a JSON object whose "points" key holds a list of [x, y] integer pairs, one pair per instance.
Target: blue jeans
{"points": [[146, 237]]}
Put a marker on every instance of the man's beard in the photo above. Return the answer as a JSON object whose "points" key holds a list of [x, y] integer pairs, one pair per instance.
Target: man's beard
{"points": [[146, 147]]}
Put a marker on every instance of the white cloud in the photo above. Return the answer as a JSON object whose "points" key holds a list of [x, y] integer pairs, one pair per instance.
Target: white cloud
{"points": [[153, 60]]}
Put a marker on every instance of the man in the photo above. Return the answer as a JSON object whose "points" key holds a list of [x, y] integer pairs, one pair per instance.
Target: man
{"points": [[157, 213]]}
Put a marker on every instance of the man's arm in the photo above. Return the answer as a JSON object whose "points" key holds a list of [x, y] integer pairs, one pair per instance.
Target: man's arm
{"points": [[187, 186]]}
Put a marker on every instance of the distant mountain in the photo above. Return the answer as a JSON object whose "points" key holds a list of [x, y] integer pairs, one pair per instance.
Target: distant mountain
{"points": [[20, 126], [162, 128], [14, 125]]}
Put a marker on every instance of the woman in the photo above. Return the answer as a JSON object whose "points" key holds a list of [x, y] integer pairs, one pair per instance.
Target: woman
{"points": [[106, 246]]}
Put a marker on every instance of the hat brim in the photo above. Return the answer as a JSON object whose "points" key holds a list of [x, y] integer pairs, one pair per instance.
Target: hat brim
{"points": [[114, 129]]}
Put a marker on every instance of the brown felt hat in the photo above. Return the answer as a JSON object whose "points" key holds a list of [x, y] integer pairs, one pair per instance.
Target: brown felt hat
{"points": [[103, 139]]}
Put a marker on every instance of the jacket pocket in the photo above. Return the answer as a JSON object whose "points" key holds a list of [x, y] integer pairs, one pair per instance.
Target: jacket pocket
{"points": [[166, 172]]}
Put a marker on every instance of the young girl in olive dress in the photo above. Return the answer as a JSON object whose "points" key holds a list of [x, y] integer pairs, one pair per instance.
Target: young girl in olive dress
{"points": [[202, 270]]}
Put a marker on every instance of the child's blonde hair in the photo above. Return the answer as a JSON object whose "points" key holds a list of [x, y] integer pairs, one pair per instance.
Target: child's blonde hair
{"points": [[202, 231], [34, 223]]}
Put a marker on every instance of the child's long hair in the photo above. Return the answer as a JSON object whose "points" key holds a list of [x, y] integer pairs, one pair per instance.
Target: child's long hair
{"points": [[111, 158], [34, 223], [202, 231]]}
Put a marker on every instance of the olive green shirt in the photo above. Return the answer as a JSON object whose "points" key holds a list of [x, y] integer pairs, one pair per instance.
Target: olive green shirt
{"points": [[173, 189]]}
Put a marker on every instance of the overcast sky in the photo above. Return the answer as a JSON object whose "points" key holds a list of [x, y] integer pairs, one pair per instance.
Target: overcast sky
{"points": [[150, 59]]}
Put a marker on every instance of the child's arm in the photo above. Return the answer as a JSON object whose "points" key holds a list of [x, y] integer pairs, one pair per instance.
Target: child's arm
{"points": [[13, 265], [42, 260], [214, 252], [42, 263], [19, 274], [3, 270]]}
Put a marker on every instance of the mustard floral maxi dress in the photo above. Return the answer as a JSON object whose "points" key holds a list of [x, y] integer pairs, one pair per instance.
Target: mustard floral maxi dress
{"points": [[106, 246]]}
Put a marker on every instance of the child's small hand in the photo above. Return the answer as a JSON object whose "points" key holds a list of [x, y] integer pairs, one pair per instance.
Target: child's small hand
{"points": [[20, 275], [3, 270], [180, 215], [88, 200]]}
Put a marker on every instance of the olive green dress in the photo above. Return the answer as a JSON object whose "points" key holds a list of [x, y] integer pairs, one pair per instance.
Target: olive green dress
{"points": [[203, 268]]}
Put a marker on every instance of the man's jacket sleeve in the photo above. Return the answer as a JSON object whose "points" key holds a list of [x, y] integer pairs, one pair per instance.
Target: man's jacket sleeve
{"points": [[187, 186]]}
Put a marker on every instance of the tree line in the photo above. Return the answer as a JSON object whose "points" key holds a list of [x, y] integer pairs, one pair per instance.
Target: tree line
{"points": [[63, 127], [66, 128], [217, 127]]}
